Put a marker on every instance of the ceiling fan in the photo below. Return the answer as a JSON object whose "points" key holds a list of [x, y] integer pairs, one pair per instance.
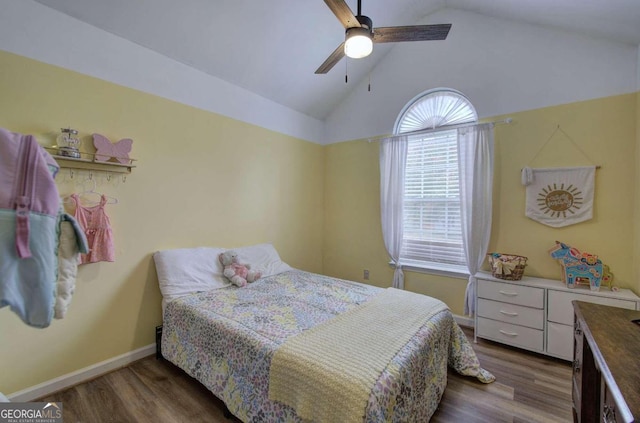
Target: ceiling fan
{"points": [[360, 34]]}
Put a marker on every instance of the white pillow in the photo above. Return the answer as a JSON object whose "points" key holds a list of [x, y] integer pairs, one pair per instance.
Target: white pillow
{"points": [[263, 258], [188, 270]]}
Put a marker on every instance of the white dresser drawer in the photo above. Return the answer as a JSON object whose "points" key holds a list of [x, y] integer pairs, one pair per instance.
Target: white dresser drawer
{"points": [[519, 336], [560, 340], [511, 313], [561, 310], [511, 293]]}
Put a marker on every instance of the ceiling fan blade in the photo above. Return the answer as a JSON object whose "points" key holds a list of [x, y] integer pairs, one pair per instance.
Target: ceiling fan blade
{"points": [[343, 13], [332, 59], [392, 34]]}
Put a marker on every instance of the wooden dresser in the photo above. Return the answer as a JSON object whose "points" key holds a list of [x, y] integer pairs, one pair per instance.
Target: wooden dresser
{"points": [[535, 313], [606, 366]]}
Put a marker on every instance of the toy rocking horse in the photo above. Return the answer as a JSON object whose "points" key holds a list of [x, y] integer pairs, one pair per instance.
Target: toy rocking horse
{"points": [[581, 268]]}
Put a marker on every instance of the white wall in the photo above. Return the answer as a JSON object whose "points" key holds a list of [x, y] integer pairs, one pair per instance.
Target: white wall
{"points": [[502, 66], [30, 29], [638, 70]]}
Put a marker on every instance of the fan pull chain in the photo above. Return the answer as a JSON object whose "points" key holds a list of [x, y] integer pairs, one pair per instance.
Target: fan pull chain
{"points": [[346, 71], [369, 86]]}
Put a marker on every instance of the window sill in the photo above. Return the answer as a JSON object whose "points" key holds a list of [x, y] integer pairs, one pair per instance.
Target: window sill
{"points": [[448, 270]]}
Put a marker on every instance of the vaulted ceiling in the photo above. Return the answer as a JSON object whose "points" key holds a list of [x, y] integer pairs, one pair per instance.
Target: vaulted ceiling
{"points": [[272, 48]]}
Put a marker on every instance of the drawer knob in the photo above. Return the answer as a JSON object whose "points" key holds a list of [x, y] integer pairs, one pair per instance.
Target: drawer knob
{"points": [[509, 294], [577, 328], [508, 313], [609, 414], [504, 332]]}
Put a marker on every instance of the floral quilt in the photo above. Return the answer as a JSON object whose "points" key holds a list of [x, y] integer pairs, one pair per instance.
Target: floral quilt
{"points": [[226, 339]]}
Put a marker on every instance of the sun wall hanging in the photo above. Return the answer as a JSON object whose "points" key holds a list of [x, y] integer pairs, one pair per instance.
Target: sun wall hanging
{"points": [[559, 196]]}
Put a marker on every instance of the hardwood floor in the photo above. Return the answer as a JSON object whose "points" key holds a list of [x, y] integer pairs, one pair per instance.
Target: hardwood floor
{"points": [[529, 388]]}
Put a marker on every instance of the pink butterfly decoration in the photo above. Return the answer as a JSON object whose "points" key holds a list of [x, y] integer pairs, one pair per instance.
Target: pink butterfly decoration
{"points": [[106, 150]]}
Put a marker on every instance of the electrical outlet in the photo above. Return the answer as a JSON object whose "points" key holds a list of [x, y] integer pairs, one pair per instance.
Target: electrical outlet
{"points": [[366, 275]]}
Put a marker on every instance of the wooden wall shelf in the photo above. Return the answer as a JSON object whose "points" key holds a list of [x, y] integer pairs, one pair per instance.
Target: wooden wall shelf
{"points": [[87, 164]]}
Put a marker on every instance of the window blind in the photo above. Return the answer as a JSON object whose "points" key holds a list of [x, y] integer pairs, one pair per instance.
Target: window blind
{"points": [[432, 222]]}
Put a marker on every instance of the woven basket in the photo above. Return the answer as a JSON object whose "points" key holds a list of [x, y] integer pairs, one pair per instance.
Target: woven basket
{"points": [[507, 266]]}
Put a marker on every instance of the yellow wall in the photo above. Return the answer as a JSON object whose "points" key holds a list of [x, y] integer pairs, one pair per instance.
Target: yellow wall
{"points": [[601, 132], [202, 179], [636, 214]]}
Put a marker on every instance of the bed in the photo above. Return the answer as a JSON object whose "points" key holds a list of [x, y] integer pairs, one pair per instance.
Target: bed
{"points": [[235, 340]]}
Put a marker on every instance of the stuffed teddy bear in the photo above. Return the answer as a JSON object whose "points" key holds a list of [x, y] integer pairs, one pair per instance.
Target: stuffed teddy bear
{"points": [[238, 274]]}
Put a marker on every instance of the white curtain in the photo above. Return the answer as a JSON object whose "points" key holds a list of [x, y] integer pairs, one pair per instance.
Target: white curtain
{"points": [[393, 160], [475, 151]]}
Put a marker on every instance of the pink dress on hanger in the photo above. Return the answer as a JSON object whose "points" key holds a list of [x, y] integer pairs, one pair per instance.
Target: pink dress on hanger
{"points": [[95, 223]]}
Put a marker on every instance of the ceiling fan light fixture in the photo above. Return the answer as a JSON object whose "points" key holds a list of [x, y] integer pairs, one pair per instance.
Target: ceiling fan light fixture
{"points": [[358, 43], [359, 39]]}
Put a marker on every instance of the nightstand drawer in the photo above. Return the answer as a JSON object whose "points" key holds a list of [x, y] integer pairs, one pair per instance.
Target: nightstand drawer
{"points": [[511, 293], [511, 313], [519, 336], [561, 310], [560, 340]]}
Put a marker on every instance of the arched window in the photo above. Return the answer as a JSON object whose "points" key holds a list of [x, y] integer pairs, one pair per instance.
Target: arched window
{"points": [[432, 221], [434, 109]]}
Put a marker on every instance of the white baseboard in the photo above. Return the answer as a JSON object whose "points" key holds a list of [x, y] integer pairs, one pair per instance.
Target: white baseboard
{"points": [[79, 376], [464, 321]]}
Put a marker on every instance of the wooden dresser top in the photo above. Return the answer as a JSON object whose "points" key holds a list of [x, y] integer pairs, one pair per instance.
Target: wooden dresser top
{"points": [[615, 341]]}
